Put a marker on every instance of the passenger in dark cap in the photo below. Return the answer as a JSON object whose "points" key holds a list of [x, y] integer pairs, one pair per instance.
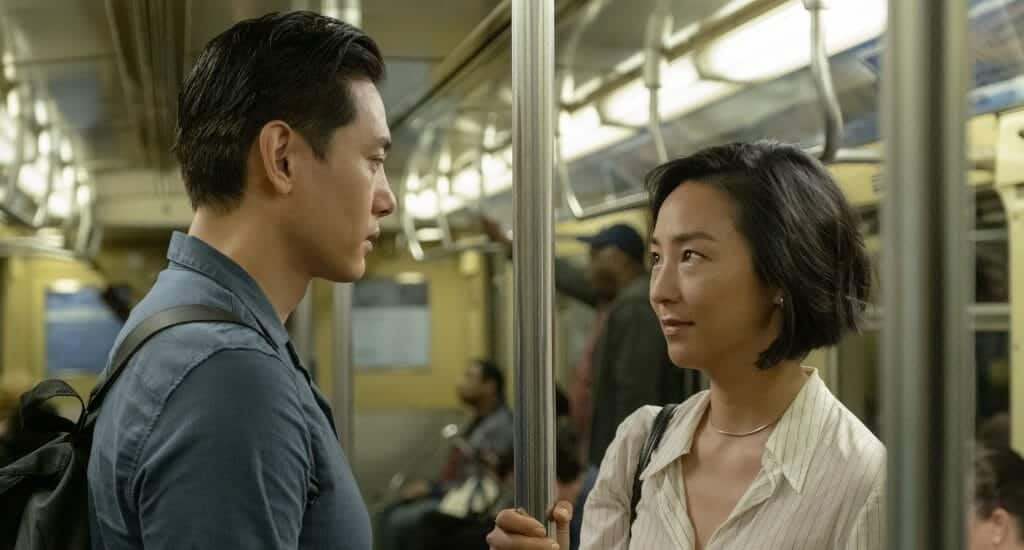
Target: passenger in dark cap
{"points": [[625, 364]]}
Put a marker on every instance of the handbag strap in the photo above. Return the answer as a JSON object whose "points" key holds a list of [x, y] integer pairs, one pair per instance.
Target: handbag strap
{"points": [[653, 440]]}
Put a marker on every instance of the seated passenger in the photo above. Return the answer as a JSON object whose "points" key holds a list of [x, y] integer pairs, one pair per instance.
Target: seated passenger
{"points": [[757, 261], [445, 529], [997, 521], [487, 435]]}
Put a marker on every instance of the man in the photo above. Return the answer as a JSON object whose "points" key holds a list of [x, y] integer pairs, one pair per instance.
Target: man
{"points": [[627, 364], [487, 436], [215, 436]]}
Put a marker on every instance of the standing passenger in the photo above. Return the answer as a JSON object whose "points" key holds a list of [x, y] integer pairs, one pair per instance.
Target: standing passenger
{"points": [[997, 517], [215, 436], [625, 364], [757, 261]]}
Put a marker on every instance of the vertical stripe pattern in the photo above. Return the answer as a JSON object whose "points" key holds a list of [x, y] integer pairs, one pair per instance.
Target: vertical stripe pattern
{"points": [[821, 485]]}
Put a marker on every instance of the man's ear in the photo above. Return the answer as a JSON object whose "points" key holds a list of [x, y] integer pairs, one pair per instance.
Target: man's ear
{"points": [[276, 142]]}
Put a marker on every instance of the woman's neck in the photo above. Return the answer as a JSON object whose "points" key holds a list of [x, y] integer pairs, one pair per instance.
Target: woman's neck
{"points": [[747, 398]]}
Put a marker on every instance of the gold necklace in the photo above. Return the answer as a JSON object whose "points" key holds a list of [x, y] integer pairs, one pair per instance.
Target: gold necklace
{"points": [[738, 434]]}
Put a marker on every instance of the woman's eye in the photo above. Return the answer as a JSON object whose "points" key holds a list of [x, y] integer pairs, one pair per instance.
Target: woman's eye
{"points": [[655, 258], [690, 255]]}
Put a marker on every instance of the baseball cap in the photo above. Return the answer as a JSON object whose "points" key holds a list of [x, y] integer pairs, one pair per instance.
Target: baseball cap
{"points": [[621, 236]]}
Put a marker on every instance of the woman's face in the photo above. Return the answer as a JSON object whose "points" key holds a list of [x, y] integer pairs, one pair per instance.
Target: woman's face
{"points": [[712, 307]]}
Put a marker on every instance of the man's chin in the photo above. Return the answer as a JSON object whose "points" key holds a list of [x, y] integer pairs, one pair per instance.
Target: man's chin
{"points": [[348, 272]]}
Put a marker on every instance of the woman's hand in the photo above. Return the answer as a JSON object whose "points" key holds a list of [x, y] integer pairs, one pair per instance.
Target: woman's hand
{"points": [[516, 530]]}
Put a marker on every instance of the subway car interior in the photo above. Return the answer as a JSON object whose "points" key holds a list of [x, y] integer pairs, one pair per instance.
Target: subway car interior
{"points": [[91, 193]]}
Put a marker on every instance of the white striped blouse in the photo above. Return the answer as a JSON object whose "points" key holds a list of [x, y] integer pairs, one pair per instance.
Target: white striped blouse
{"points": [[821, 484]]}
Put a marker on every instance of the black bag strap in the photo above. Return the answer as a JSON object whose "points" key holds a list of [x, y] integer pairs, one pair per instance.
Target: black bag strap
{"points": [[653, 440], [142, 333]]}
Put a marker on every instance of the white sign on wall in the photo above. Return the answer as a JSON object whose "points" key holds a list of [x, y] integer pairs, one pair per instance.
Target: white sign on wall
{"points": [[390, 324]]}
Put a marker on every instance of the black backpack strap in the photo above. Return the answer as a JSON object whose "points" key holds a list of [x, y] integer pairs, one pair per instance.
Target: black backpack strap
{"points": [[142, 333], [653, 440]]}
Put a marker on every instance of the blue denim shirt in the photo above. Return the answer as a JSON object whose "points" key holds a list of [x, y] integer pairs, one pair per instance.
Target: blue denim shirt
{"points": [[215, 436]]}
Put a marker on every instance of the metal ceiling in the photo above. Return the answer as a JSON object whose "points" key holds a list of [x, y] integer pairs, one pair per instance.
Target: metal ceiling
{"points": [[112, 69]]}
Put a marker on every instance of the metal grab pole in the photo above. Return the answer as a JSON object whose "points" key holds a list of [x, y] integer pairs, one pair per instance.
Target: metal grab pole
{"points": [[928, 391], [533, 74]]}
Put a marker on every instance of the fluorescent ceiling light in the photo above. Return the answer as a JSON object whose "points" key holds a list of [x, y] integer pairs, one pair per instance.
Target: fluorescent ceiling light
{"points": [[741, 55], [13, 103], [466, 183], [10, 72], [497, 170], [682, 91], [66, 180], [42, 113], [490, 136], [444, 162], [45, 143], [410, 277], [422, 205], [83, 196], [583, 133], [59, 204], [32, 180], [65, 150], [413, 182], [6, 152], [429, 234], [451, 203], [66, 286]]}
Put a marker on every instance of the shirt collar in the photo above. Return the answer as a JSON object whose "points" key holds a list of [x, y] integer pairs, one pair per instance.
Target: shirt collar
{"points": [[192, 253], [798, 433], [789, 449], [678, 436]]}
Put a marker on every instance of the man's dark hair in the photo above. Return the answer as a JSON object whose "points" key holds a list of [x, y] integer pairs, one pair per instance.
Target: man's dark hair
{"points": [[999, 483], [490, 372], [802, 234], [295, 67]]}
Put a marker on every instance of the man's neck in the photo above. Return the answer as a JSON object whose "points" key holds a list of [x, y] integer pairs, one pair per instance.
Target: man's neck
{"points": [[259, 251]]}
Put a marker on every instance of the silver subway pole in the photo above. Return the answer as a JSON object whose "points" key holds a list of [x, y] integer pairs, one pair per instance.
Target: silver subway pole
{"points": [[533, 75], [927, 365]]}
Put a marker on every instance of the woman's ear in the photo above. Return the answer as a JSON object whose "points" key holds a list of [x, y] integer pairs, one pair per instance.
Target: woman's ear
{"points": [[1002, 526]]}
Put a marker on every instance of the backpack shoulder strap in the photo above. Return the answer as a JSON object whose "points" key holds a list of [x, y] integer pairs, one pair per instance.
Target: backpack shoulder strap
{"points": [[149, 328], [651, 445]]}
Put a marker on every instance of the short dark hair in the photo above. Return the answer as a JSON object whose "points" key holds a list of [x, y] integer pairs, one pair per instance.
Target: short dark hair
{"points": [[294, 66], [802, 233], [491, 372], [999, 483]]}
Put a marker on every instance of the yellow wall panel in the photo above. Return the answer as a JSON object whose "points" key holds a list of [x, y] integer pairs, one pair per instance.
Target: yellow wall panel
{"points": [[458, 329]]}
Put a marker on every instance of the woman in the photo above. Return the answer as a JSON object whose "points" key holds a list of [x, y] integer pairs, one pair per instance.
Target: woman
{"points": [[997, 522], [756, 261]]}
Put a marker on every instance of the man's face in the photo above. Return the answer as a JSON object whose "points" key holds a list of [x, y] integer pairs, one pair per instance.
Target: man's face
{"points": [[341, 198], [471, 388], [605, 262]]}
